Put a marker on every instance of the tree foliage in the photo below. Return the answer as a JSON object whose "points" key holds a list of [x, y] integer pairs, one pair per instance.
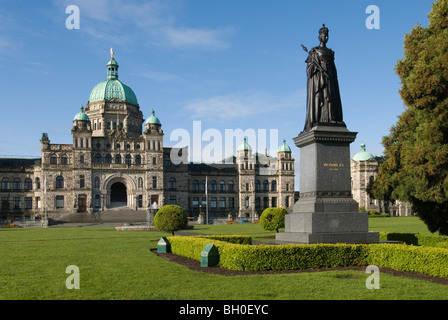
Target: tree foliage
{"points": [[415, 168], [170, 218], [273, 218]]}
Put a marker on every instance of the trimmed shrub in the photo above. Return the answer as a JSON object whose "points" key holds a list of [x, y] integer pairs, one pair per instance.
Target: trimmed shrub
{"points": [[273, 218], [414, 238], [426, 260], [237, 239], [170, 218]]}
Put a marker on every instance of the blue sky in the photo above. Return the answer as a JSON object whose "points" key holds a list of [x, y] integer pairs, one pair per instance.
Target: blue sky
{"points": [[233, 64]]}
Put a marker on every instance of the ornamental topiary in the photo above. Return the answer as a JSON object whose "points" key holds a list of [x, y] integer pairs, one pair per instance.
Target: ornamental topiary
{"points": [[170, 218], [273, 218]]}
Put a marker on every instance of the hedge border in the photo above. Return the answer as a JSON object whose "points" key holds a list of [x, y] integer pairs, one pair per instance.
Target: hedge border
{"points": [[426, 260], [417, 239]]}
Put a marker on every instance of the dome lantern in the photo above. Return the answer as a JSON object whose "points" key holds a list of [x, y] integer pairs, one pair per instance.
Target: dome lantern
{"points": [[112, 87]]}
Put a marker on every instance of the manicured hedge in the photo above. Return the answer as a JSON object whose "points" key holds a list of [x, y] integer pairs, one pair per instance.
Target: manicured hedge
{"points": [[238, 239], [288, 257], [420, 259], [426, 260], [416, 239]]}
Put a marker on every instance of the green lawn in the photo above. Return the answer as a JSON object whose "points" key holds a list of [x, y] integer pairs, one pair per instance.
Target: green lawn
{"points": [[119, 265]]}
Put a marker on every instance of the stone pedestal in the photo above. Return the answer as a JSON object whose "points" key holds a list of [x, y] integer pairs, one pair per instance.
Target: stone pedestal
{"points": [[326, 211]]}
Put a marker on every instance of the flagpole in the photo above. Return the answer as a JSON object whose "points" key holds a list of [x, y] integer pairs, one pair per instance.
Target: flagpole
{"points": [[206, 200]]}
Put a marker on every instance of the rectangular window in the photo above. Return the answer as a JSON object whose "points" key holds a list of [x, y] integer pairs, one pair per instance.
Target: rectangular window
{"points": [[16, 202], [213, 202], [287, 202], [222, 202], [59, 201], [257, 202], [265, 202], [231, 203], [5, 203], [154, 160], [195, 202], [172, 200], [28, 203], [154, 182], [81, 182], [81, 158], [274, 202]]}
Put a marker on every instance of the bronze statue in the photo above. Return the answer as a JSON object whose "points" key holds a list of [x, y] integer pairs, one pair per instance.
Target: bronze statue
{"points": [[324, 105]]}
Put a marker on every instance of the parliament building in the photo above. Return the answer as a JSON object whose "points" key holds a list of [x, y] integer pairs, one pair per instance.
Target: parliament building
{"points": [[118, 160]]}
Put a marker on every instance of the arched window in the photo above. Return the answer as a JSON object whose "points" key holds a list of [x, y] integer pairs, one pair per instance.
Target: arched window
{"points": [[203, 185], [222, 186], [59, 182], [118, 159], [265, 185], [97, 158], [195, 185], [138, 160], [108, 158], [128, 159], [257, 185], [230, 186], [17, 184], [64, 159], [6, 185], [37, 183], [213, 187], [172, 183], [274, 185], [53, 159], [28, 184]]}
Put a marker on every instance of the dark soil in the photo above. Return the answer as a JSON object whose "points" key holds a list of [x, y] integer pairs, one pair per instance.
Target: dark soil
{"points": [[195, 265]]}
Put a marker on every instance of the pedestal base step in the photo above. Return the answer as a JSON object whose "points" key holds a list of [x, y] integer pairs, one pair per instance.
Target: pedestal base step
{"points": [[342, 237]]}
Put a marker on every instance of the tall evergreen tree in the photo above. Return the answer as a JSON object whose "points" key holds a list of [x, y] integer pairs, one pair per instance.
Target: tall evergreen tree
{"points": [[415, 168]]}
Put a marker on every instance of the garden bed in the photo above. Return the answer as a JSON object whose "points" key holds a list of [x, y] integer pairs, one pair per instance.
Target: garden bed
{"points": [[194, 265]]}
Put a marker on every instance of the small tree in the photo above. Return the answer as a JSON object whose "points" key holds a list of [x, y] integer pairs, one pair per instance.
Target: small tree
{"points": [[273, 218], [170, 218]]}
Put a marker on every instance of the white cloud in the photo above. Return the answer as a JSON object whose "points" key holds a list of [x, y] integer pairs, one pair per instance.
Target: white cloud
{"points": [[242, 105], [186, 38], [150, 22]]}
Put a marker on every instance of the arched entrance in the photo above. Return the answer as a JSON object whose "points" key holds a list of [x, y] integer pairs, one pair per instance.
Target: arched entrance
{"points": [[118, 194]]}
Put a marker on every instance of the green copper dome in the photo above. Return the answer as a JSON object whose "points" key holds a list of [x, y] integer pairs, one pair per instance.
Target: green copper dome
{"points": [[363, 155], [112, 87], [81, 115], [152, 119], [284, 147], [244, 146]]}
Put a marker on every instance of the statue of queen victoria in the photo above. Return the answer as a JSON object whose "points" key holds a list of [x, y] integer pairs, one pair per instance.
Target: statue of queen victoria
{"points": [[324, 105]]}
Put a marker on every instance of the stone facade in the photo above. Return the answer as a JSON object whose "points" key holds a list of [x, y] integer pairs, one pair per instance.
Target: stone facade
{"points": [[364, 168], [117, 159]]}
